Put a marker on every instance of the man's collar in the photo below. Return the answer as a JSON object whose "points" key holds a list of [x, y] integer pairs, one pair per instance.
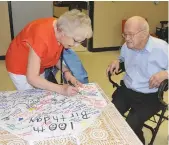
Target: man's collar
{"points": [[148, 46]]}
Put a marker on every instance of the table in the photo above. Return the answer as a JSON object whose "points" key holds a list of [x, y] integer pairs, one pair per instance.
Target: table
{"points": [[109, 128]]}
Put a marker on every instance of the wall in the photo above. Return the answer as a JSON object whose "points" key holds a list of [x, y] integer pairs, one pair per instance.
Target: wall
{"points": [[5, 35], [108, 17], [25, 11]]}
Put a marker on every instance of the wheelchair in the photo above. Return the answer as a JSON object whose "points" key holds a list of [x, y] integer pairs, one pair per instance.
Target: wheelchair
{"points": [[163, 106]]}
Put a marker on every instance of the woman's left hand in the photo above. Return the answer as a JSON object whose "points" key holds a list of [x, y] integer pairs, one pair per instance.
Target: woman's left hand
{"points": [[72, 79]]}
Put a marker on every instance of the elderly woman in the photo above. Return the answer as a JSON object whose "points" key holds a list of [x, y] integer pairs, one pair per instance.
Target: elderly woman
{"points": [[39, 46]]}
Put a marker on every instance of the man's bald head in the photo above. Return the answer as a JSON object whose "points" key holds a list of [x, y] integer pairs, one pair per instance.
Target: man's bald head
{"points": [[136, 32], [138, 22]]}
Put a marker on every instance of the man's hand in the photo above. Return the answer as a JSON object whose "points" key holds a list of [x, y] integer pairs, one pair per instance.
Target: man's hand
{"points": [[113, 67], [157, 78], [72, 79]]}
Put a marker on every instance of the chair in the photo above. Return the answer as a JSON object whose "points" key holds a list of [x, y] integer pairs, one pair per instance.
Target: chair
{"points": [[163, 108], [162, 32]]}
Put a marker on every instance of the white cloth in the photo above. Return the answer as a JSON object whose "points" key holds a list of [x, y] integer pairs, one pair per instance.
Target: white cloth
{"points": [[21, 82]]}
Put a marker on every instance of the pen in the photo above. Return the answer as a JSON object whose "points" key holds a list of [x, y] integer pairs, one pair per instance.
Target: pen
{"points": [[73, 86]]}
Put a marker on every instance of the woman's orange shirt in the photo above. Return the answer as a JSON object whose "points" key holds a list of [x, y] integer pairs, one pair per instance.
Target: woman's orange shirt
{"points": [[40, 35]]}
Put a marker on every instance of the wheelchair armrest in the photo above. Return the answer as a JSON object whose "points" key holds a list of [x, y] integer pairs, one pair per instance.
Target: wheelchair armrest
{"points": [[121, 69], [162, 88]]}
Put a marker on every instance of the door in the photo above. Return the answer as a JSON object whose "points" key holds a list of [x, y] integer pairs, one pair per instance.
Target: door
{"points": [[25, 11]]}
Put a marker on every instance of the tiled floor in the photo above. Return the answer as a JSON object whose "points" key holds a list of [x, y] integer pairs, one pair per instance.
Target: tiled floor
{"points": [[95, 64]]}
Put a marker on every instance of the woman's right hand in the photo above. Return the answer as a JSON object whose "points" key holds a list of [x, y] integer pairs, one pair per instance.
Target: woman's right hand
{"points": [[68, 90]]}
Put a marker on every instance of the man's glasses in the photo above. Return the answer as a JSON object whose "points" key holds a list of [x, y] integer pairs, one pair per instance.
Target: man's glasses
{"points": [[131, 36]]}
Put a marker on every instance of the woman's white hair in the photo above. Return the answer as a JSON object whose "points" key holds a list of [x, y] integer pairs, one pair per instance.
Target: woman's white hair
{"points": [[74, 19]]}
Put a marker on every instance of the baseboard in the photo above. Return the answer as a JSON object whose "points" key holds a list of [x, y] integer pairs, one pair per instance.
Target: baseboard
{"points": [[2, 57], [102, 49]]}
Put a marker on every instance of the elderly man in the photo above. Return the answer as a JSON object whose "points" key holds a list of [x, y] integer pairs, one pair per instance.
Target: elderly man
{"points": [[146, 64]]}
